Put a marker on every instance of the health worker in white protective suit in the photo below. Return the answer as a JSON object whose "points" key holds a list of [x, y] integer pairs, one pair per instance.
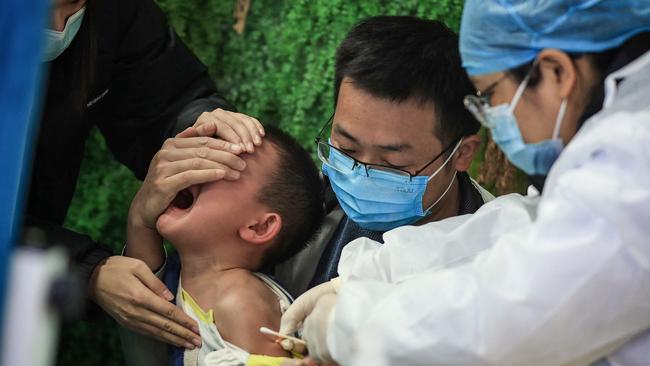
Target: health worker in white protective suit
{"points": [[560, 277]]}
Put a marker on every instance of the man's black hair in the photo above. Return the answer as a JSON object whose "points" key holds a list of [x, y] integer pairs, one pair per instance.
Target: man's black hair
{"points": [[294, 189], [402, 57]]}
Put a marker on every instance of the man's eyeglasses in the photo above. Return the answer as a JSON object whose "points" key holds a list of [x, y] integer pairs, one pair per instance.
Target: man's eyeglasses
{"points": [[346, 164]]}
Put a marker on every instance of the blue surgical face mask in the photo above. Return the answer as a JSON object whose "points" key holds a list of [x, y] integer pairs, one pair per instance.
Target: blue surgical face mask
{"points": [[56, 42], [381, 200], [534, 159]]}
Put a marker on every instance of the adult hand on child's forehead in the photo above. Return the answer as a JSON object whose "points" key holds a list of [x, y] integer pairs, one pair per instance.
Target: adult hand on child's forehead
{"points": [[243, 131], [181, 163]]}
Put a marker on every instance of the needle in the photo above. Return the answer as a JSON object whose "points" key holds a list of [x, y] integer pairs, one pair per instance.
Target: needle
{"points": [[265, 330]]}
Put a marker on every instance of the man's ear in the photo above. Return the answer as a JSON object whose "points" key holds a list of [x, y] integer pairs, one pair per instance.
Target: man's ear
{"points": [[263, 229], [465, 153]]}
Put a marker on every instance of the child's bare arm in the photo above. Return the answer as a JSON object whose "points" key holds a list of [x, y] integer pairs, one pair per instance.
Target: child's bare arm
{"points": [[248, 306]]}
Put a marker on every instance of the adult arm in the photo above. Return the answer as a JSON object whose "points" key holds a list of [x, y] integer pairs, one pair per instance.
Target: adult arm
{"points": [[442, 244], [435, 246], [566, 290], [157, 88]]}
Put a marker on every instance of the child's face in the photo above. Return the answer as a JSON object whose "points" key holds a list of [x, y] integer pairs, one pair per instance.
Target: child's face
{"points": [[209, 214]]}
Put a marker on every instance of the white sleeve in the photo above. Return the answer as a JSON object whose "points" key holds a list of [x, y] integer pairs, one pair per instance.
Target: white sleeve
{"points": [[565, 290], [437, 245]]}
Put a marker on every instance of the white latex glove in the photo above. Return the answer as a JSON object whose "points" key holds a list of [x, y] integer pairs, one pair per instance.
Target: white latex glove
{"points": [[315, 328], [301, 308]]}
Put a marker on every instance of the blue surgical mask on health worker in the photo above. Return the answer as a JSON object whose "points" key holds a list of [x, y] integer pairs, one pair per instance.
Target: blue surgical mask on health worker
{"points": [[534, 159]]}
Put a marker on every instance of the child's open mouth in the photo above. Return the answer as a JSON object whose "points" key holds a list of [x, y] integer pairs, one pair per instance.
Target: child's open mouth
{"points": [[185, 198]]}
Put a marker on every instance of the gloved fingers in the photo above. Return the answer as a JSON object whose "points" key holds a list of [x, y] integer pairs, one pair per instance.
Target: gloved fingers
{"points": [[291, 346], [295, 314], [336, 283], [302, 307], [315, 328], [287, 345]]}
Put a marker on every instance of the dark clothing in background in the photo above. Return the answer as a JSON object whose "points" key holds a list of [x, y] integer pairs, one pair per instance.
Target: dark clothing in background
{"points": [[147, 86]]}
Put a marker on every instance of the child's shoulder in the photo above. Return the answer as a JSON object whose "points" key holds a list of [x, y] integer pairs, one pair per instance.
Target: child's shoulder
{"points": [[245, 304], [243, 288]]}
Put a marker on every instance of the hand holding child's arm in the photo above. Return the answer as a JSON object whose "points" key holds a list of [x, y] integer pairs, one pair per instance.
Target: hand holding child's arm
{"points": [[129, 292]]}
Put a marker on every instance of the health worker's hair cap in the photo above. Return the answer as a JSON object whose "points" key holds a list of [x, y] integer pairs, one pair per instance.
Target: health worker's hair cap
{"points": [[498, 35]]}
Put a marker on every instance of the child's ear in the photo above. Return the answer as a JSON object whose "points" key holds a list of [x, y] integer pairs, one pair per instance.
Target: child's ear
{"points": [[262, 230]]}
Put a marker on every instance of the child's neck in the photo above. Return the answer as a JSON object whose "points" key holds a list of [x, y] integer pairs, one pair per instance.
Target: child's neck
{"points": [[202, 272]]}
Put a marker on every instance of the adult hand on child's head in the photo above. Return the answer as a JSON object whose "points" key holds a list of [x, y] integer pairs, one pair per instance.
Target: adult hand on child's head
{"points": [[180, 163], [130, 293], [241, 130]]}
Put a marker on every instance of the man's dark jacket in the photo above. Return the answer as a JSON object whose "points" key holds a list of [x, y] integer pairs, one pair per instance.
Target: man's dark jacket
{"points": [[147, 86]]}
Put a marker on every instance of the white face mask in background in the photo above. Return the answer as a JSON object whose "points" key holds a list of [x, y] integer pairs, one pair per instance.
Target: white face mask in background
{"points": [[56, 42]]}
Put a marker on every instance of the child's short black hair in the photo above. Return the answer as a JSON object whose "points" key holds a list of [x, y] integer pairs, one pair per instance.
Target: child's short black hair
{"points": [[404, 57], [295, 191]]}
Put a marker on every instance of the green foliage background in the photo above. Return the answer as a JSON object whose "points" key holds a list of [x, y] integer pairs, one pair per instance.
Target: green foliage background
{"points": [[280, 70]]}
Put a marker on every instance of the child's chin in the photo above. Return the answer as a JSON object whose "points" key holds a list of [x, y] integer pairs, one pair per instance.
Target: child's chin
{"points": [[165, 226]]}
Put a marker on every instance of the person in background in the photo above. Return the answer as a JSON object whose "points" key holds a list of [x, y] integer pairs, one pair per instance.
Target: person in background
{"points": [[401, 141], [558, 278], [119, 66]]}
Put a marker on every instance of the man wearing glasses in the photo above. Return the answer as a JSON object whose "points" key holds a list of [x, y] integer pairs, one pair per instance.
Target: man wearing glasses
{"points": [[399, 143]]}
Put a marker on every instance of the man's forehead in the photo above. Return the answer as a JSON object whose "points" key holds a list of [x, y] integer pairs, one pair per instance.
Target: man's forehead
{"points": [[383, 122], [389, 135], [381, 141]]}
